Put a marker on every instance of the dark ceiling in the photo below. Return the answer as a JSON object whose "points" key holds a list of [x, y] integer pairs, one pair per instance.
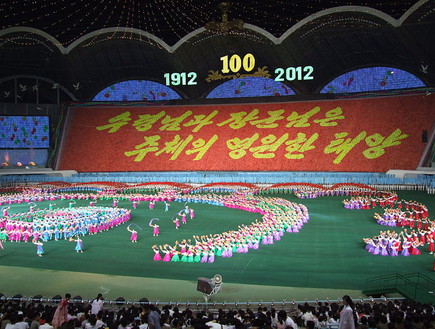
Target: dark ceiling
{"points": [[332, 39], [170, 20]]}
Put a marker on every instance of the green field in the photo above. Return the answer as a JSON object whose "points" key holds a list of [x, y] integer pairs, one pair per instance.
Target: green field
{"points": [[325, 259]]}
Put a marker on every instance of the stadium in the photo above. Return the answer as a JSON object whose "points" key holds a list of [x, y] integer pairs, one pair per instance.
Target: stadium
{"points": [[218, 153]]}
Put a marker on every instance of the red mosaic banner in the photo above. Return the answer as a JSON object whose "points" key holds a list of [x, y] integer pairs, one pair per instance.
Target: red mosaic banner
{"points": [[373, 134]]}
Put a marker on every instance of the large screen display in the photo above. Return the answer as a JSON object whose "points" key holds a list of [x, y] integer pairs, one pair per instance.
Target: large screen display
{"points": [[371, 135], [24, 132]]}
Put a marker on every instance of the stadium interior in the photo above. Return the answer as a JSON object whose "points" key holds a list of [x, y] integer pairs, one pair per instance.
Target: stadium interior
{"points": [[259, 116]]}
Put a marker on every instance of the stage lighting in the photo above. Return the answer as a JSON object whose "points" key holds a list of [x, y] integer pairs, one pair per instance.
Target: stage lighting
{"points": [[209, 286], [217, 279]]}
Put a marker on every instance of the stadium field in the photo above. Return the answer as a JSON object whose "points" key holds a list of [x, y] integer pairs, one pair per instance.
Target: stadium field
{"points": [[325, 259]]}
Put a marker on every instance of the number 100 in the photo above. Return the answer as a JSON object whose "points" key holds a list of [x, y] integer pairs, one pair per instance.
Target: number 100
{"points": [[235, 63]]}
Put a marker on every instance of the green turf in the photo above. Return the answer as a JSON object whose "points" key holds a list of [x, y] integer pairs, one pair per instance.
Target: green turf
{"points": [[328, 253], [49, 283]]}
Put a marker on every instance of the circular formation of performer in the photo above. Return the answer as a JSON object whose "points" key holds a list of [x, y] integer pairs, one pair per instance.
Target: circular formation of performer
{"points": [[278, 216], [397, 213], [63, 223]]}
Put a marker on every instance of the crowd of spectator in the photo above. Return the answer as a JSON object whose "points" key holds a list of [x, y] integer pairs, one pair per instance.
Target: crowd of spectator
{"points": [[398, 314]]}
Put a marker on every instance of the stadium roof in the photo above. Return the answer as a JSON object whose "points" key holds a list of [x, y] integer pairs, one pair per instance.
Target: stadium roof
{"points": [[171, 20], [87, 45]]}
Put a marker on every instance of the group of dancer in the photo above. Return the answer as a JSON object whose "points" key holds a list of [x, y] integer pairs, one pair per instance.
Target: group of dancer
{"points": [[410, 215], [397, 213], [404, 243], [180, 217], [279, 216], [415, 215], [31, 195], [310, 192], [40, 245], [391, 243], [42, 225], [61, 223], [372, 199], [39, 226]]}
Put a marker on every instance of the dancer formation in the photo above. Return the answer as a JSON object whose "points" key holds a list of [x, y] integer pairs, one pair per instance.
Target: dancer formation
{"points": [[411, 216], [61, 223], [43, 225], [276, 217]]}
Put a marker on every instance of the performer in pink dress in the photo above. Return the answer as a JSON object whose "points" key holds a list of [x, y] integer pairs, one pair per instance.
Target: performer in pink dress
{"points": [[133, 237], [156, 231], [5, 211], [157, 256], [177, 222], [167, 252], [183, 218]]}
